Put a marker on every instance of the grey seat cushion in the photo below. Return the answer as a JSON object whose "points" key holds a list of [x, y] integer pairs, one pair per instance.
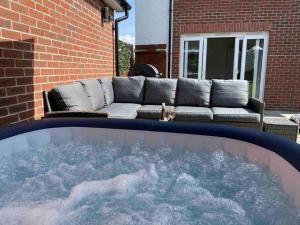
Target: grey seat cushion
{"points": [[121, 110], [151, 111], [108, 90], [196, 114], [129, 89], [158, 91], [246, 115], [70, 97], [95, 93], [229, 93], [193, 92]]}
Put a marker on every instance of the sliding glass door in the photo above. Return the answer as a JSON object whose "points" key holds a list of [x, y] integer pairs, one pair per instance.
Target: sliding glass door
{"points": [[231, 56], [250, 63]]}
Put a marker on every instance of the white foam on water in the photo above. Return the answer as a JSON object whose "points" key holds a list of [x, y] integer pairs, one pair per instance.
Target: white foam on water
{"points": [[52, 212], [80, 184]]}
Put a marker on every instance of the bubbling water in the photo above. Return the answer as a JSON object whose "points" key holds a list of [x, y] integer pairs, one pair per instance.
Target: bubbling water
{"points": [[109, 184]]}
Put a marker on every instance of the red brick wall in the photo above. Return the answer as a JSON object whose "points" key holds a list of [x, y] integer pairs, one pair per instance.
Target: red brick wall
{"points": [[43, 43], [280, 18]]}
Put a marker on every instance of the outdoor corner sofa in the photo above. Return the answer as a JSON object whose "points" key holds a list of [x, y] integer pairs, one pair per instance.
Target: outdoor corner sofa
{"points": [[217, 101]]}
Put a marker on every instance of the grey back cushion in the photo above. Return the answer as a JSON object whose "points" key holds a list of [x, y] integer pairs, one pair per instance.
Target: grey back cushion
{"points": [[108, 90], [129, 89], [95, 93], [229, 93], [193, 92], [71, 97], [158, 91]]}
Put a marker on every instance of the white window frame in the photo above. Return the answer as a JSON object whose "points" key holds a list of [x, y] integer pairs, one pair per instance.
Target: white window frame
{"points": [[183, 55], [245, 36]]}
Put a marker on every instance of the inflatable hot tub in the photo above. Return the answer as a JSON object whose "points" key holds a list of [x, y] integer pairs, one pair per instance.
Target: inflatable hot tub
{"points": [[52, 171]]}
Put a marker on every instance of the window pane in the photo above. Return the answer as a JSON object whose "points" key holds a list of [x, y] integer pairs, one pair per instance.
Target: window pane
{"points": [[191, 59], [193, 65], [239, 59], [253, 65], [220, 58], [193, 45]]}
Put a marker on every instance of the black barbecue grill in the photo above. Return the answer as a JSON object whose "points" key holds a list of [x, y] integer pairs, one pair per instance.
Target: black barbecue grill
{"points": [[145, 70]]}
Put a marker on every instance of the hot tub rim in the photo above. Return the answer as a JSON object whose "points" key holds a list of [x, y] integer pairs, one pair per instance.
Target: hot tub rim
{"points": [[288, 150]]}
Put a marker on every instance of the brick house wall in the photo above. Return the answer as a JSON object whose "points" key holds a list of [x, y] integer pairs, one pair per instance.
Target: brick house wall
{"points": [[280, 18], [44, 43]]}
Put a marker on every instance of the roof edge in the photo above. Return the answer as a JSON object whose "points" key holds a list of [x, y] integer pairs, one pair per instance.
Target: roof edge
{"points": [[125, 4], [118, 5]]}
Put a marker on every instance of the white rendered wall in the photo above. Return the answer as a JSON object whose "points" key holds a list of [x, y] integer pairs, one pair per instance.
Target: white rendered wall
{"points": [[151, 22]]}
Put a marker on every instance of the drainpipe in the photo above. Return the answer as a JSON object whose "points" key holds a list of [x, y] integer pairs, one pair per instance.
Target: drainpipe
{"points": [[170, 38], [117, 21]]}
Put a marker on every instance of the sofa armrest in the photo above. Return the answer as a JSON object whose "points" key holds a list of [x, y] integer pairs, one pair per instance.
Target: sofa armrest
{"points": [[47, 106], [259, 107], [74, 114]]}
